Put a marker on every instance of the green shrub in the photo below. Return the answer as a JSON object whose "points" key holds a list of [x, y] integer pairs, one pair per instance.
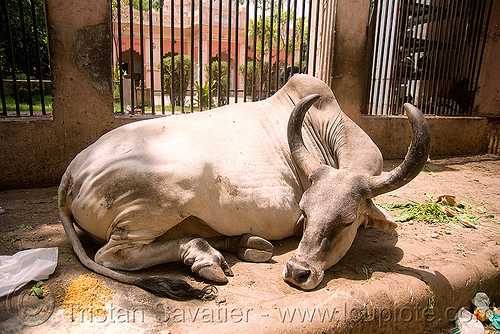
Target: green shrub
{"points": [[223, 99], [179, 94]]}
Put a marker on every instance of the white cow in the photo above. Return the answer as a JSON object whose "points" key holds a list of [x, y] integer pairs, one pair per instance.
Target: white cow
{"points": [[178, 188]]}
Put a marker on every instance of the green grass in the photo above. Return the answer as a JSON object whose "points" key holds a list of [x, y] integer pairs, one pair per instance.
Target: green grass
{"points": [[148, 109], [438, 211], [37, 105]]}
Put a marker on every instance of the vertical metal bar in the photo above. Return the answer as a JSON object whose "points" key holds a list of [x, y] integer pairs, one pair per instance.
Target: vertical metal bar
{"points": [[416, 54], [172, 55], [191, 85], [462, 48], [229, 53], [181, 19], [378, 108], [2, 91], [132, 72], [317, 36], [402, 84], [380, 42], [375, 13], [420, 59], [245, 85], [458, 40], [270, 62], [452, 53], [11, 54], [398, 85], [2, 94], [438, 68], [25, 47], [162, 71], [254, 76], [236, 51], [427, 57], [447, 42], [200, 55], [151, 66], [38, 58], [435, 56], [471, 38], [120, 56], [287, 39], [308, 43], [210, 23], [294, 38], [412, 89], [379, 39], [219, 58], [473, 12], [141, 33], [302, 30], [446, 51], [477, 39], [385, 78], [471, 32], [278, 46], [394, 85], [262, 49], [485, 35], [408, 74]]}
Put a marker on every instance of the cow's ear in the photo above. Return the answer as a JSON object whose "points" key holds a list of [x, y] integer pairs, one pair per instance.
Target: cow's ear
{"points": [[378, 217]]}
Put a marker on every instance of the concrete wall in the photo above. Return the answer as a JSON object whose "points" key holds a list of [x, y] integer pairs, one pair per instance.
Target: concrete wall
{"points": [[36, 153]]}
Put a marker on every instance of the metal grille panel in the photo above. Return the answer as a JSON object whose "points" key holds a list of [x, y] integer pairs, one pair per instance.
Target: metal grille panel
{"points": [[428, 53], [230, 51]]}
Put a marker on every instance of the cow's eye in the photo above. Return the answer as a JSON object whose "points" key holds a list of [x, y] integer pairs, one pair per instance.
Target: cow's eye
{"points": [[349, 224]]}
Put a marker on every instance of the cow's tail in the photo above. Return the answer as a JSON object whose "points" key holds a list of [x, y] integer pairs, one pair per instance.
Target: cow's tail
{"points": [[164, 287]]}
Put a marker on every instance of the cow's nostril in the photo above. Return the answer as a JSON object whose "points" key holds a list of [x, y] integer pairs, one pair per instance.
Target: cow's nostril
{"points": [[302, 275]]}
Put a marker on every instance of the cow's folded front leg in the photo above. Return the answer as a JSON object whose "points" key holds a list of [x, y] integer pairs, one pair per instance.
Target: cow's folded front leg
{"points": [[247, 247], [123, 254], [205, 260]]}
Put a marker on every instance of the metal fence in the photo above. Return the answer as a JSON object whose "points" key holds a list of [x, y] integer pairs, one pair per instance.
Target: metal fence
{"points": [[25, 88], [427, 52], [192, 55]]}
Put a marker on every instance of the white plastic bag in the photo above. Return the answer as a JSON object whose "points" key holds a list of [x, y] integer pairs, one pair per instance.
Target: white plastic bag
{"points": [[468, 323], [25, 266]]}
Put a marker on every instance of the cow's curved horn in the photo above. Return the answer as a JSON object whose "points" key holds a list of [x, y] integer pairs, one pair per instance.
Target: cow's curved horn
{"points": [[304, 160], [415, 158]]}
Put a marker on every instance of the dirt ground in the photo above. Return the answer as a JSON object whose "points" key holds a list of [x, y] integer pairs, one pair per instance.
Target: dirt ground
{"points": [[418, 269]]}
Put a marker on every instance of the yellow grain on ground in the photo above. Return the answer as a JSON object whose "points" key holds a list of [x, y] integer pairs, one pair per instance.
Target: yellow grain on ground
{"points": [[84, 296]]}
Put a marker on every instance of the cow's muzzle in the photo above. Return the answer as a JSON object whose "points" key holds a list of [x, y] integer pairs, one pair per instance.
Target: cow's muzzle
{"points": [[302, 275]]}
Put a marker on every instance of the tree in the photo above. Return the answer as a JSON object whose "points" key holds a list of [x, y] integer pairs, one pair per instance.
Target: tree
{"points": [[25, 50], [179, 88], [266, 32], [286, 18]]}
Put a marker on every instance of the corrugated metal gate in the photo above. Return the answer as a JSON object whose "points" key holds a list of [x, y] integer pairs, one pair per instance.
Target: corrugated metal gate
{"points": [[427, 52]]}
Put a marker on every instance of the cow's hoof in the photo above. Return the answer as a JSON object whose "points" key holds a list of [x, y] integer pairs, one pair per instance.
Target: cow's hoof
{"points": [[255, 249], [213, 273]]}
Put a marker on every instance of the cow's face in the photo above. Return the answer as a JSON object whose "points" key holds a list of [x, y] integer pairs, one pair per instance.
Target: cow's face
{"points": [[333, 208], [338, 201]]}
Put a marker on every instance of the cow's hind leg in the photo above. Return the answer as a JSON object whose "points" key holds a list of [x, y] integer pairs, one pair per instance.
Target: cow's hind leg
{"points": [[247, 247], [123, 253]]}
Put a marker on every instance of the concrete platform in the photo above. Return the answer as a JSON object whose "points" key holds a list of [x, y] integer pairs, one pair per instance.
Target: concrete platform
{"points": [[420, 275]]}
